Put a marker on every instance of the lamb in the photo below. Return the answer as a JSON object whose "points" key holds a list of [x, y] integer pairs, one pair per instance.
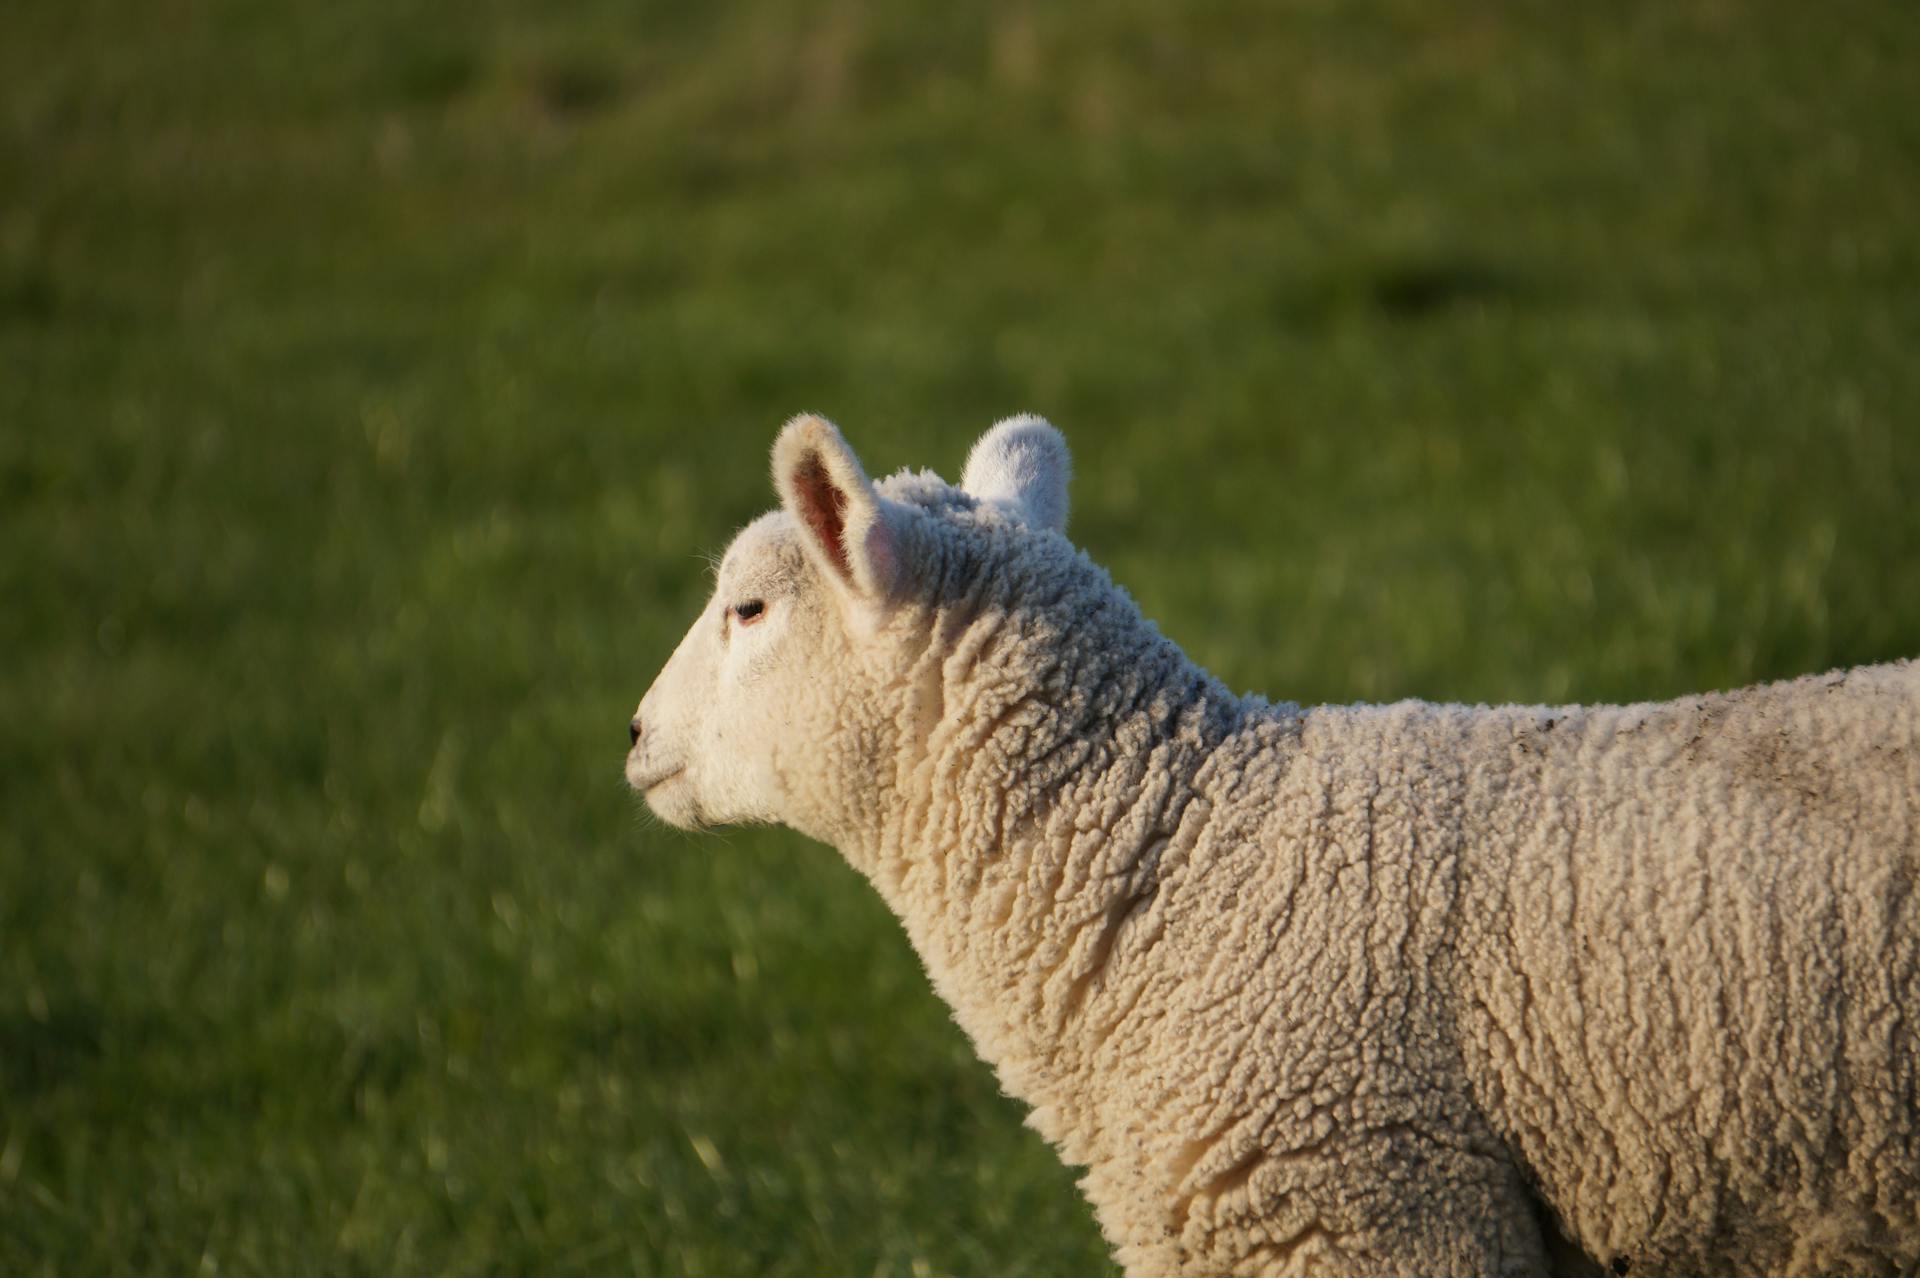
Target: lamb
{"points": [[1411, 989]]}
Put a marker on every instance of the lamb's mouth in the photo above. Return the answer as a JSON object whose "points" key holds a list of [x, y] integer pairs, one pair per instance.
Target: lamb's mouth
{"points": [[645, 784]]}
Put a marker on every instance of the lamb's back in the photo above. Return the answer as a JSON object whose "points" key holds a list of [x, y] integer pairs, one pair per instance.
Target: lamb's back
{"points": [[1689, 946]]}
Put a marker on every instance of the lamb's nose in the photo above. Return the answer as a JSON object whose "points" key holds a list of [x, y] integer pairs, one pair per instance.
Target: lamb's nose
{"points": [[633, 732]]}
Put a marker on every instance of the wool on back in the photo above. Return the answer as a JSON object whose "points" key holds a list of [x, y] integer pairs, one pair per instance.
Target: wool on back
{"points": [[1690, 952]]}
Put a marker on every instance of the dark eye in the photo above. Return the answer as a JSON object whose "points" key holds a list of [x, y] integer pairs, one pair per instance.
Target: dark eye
{"points": [[749, 612]]}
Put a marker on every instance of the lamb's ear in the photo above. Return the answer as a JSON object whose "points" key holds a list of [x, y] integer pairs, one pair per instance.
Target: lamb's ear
{"points": [[842, 519], [1022, 464]]}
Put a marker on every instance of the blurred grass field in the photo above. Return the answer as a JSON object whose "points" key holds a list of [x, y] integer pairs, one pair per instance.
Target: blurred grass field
{"points": [[373, 377]]}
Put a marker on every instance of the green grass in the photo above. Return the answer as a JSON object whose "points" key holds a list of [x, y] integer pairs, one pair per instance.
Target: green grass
{"points": [[372, 377]]}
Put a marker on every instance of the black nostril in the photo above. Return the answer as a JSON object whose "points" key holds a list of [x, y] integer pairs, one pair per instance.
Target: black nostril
{"points": [[633, 733]]}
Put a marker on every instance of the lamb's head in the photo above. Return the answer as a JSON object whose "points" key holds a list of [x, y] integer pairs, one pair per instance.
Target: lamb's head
{"points": [[805, 680]]}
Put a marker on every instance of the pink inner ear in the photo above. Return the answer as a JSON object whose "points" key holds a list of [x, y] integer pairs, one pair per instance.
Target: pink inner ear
{"points": [[824, 507]]}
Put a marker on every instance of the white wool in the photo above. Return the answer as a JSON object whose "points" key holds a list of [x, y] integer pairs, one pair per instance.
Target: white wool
{"points": [[1398, 990]]}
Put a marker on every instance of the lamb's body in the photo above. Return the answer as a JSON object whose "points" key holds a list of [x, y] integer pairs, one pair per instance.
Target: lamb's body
{"points": [[1394, 990], [1572, 948]]}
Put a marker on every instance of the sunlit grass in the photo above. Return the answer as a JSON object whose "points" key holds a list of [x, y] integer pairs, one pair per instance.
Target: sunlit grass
{"points": [[373, 379]]}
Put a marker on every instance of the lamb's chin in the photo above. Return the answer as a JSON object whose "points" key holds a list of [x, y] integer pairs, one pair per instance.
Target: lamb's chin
{"points": [[673, 801]]}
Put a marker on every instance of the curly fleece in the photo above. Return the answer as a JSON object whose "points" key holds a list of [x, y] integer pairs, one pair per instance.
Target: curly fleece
{"points": [[1410, 989]]}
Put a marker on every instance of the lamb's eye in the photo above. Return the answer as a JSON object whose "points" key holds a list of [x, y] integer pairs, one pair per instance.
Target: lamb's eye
{"points": [[749, 612]]}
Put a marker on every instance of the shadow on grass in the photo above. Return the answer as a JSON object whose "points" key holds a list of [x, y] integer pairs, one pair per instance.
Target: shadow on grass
{"points": [[38, 1053], [1416, 290], [1406, 290], [27, 296], [569, 88]]}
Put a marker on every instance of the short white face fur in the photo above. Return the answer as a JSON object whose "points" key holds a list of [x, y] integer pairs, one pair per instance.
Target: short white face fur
{"points": [[787, 699]]}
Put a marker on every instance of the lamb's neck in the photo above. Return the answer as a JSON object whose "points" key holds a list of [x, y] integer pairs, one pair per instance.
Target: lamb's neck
{"points": [[1062, 772]]}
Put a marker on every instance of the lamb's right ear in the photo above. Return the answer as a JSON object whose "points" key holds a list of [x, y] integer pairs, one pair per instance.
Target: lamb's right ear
{"points": [[841, 519], [1022, 465]]}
